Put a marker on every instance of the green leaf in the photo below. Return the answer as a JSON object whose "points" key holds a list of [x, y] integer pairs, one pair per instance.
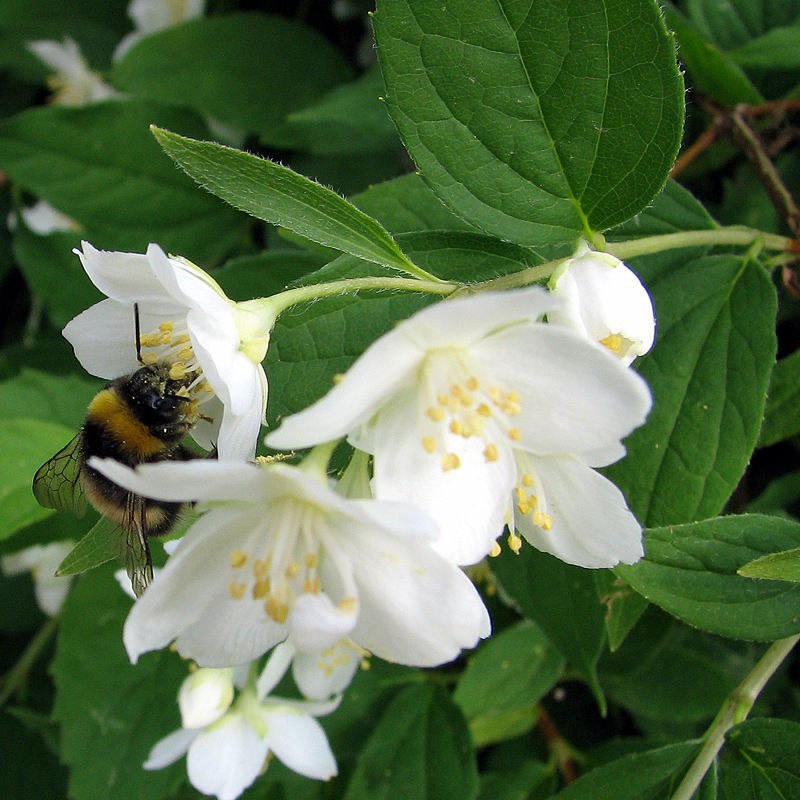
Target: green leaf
{"points": [[775, 50], [502, 683], [783, 566], [29, 768], [514, 784], [25, 444], [782, 414], [713, 72], [420, 749], [709, 370], [691, 572], [521, 116], [623, 606], [761, 760], [674, 674], [54, 398], [55, 274], [350, 119], [98, 547], [111, 712], [735, 22], [99, 165], [640, 776], [278, 195], [562, 600], [406, 205], [248, 71]]}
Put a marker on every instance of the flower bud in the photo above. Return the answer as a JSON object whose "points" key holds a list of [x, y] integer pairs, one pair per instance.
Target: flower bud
{"points": [[605, 302], [205, 696]]}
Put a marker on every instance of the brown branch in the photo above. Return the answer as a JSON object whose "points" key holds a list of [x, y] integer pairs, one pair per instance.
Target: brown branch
{"points": [[558, 746], [696, 148], [752, 146]]}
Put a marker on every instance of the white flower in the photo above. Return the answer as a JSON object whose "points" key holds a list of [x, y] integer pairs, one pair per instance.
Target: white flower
{"points": [[43, 219], [43, 561], [281, 555], [471, 399], [73, 84], [205, 696], [150, 16], [225, 755], [605, 302], [187, 320], [318, 675]]}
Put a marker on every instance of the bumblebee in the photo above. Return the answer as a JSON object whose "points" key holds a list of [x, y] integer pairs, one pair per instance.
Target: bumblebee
{"points": [[136, 419]]}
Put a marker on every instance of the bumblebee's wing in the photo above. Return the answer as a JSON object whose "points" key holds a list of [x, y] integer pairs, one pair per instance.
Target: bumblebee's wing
{"points": [[57, 484], [134, 549]]}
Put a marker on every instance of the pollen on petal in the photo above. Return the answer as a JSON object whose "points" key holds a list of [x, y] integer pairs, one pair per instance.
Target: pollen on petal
{"points": [[450, 461], [276, 609], [613, 342]]}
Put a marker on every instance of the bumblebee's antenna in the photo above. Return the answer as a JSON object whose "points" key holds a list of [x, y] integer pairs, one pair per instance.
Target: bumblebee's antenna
{"points": [[138, 333]]}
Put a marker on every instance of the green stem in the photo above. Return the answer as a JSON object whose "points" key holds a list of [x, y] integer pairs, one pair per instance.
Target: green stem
{"points": [[734, 710], [16, 676], [734, 234], [302, 294]]}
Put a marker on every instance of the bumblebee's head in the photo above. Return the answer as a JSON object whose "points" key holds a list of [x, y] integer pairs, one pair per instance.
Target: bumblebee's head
{"points": [[158, 399]]}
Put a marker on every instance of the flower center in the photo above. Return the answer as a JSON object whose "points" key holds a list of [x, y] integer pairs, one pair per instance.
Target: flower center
{"points": [[170, 343], [460, 404], [289, 566]]}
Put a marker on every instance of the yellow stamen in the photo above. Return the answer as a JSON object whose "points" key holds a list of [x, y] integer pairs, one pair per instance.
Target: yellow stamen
{"points": [[456, 427], [435, 413], [276, 609], [429, 443], [238, 558], [495, 551], [515, 434], [490, 452], [236, 589], [613, 342], [450, 461], [311, 560], [260, 589], [292, 569], [484, 410], [348, 605], [514, 542], [527, 480], [166, 327], [177, 371], [472, 383]]}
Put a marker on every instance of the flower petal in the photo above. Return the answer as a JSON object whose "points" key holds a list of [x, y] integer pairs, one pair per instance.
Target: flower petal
{"points": [[275, 668], [170, 749], [185, 481], [415, 608], [316, 624], [127, 278], [227, 758], [468, 503], [299, 741], [320, 675], [190, 599], [382, 369], [576, 396], [464, 321], [238, 433], [592, 525]]}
